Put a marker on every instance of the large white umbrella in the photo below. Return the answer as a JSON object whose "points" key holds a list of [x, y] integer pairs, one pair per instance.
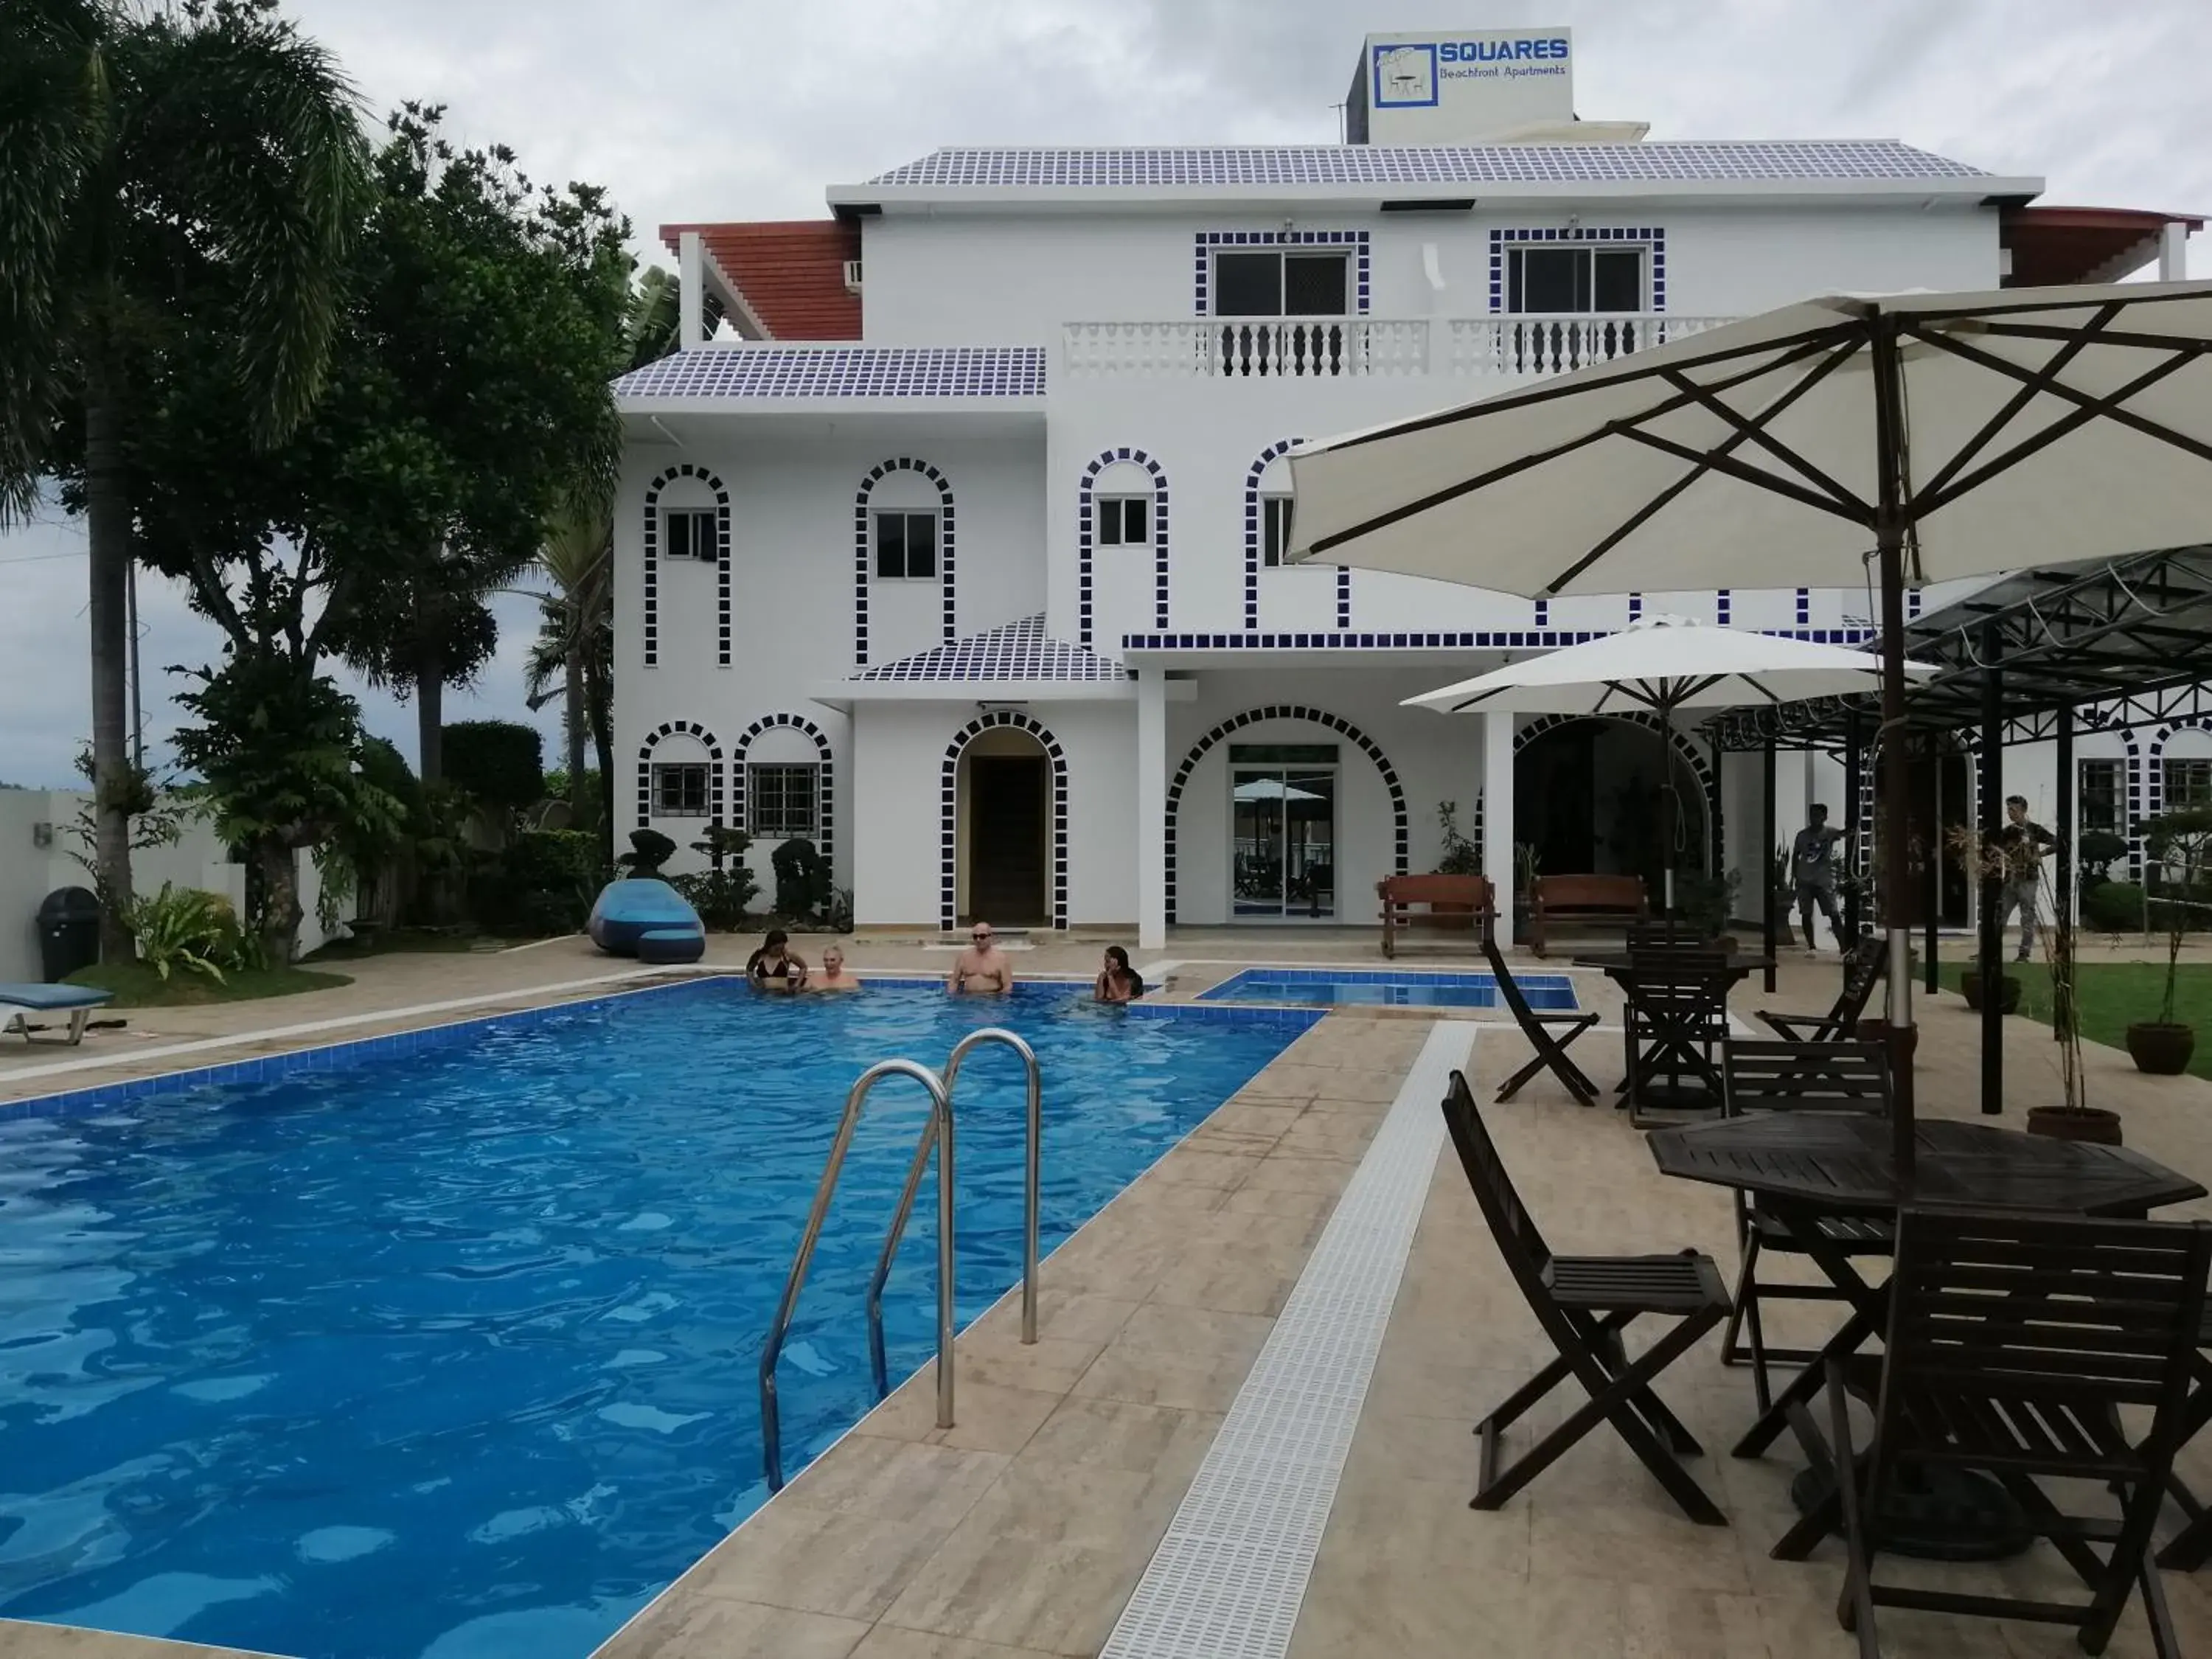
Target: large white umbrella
{"points": [[1660, 664], [1913, 438]]}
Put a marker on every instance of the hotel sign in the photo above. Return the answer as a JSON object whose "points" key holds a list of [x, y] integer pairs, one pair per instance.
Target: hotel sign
{"points": [[1462, 87]]}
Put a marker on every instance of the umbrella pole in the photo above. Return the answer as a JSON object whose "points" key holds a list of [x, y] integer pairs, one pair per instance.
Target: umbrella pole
{"points": [[1889, 547], [1670, 810]]}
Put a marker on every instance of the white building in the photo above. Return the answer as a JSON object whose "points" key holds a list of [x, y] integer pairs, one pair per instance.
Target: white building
{"points": [[951, 538]]}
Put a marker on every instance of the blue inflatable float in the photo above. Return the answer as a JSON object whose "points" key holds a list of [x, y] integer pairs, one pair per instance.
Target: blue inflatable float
{"points": [[648, 920]]}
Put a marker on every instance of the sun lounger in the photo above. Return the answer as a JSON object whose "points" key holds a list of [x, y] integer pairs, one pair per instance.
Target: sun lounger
{"points": [[19, 1002]]}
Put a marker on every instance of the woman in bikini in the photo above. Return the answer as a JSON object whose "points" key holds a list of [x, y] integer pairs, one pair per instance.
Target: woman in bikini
{"points": [[773, 967], [1117, 980]]}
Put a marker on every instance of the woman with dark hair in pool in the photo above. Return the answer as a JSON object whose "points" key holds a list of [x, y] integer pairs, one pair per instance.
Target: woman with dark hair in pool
{"points": [[1117, 980], [773, 967]]}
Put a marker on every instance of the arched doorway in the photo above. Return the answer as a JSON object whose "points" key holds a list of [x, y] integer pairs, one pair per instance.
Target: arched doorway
{"points": [[1006, 791], [1588, 795]]}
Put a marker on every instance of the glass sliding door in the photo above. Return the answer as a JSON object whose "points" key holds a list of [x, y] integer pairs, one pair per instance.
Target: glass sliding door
{"points": [[1282, 817]]}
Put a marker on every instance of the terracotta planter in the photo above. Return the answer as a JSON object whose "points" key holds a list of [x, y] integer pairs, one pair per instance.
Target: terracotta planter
{"points": [[2091, 1123], [1970, 986], [1877, 1031], [2160, 1050]]}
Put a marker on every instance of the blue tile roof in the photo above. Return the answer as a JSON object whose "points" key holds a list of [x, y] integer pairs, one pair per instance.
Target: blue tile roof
{"points": [[1019, 650], [1230, 166], [770, 371]]}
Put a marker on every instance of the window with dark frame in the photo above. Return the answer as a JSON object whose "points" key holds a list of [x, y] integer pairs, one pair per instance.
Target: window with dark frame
{"points": [[1282, 282], [1274, 530], [691, 532], [679, 789], [906, 543], [1598, 277], [2188, 783], [1123, 520], [2100, 797], [780, 799]]}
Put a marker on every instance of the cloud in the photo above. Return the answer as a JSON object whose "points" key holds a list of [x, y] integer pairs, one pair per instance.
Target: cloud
{"points": [[700, 109]]}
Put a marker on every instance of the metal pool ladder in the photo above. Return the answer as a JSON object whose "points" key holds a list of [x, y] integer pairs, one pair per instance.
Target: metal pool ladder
{"points": [[936, 1133]]}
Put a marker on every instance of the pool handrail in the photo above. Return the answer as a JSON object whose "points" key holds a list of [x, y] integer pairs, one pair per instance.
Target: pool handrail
{"points": [[1030, 1186], [938, 1132]]}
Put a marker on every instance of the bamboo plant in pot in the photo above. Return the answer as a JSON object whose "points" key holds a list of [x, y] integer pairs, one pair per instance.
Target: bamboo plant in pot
{"points": [[2179, 843], [1982, 862], [2076, 1120]]}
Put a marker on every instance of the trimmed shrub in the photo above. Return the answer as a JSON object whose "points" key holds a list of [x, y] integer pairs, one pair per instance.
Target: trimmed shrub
{"points": [[500, 763], [802, 879], [2113, 907], [649, 850]]}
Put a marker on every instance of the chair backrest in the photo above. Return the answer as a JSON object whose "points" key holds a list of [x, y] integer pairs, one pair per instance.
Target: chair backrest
{"points": [[1526, 1253], [1667, 976], [1763, 1076], [1863, 970], [1622, 893], [1667, 935], [2065, 1307], [1471, 891], [1516, 1001]]}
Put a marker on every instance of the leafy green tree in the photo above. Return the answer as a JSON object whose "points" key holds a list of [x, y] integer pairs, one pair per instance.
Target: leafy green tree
{"points": [[142, 151], [473, 401], [280, 757]]}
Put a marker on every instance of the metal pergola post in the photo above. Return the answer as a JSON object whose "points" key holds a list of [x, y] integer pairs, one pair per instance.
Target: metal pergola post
{"points": [[1766, 829], [1854, 758], [1990, 787]]}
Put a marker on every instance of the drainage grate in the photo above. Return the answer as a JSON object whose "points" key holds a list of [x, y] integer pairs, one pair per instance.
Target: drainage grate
{"points": [[1227, 1579]]}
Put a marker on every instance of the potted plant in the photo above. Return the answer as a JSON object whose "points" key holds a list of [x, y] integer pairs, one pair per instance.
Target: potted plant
{"points": [[1707, 901], [1525, 860], [2177, 842], [1982, 862], [1461, 857], [2076, 1119]]}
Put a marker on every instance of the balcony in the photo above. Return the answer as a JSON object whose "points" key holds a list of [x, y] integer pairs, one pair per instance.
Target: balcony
{"points": [[1336, 348]]}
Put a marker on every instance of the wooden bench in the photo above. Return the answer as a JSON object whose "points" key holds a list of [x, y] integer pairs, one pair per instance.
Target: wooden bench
{"points": [[1458, 901], [1605, 899]]}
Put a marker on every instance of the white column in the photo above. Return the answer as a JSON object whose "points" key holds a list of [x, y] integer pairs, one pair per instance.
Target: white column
{"points": [[2174, 252], [691, 289], [1151, 809], [1498, 815]]}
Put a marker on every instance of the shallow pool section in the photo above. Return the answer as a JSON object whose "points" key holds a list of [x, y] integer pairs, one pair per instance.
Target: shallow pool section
{"points": [[453, 1354], [1328, 988]]}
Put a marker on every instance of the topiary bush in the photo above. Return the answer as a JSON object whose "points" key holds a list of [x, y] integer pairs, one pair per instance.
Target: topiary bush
{"points": [[720, 895], [2113, 907], [648, 850], [802, 879], [550, 878], [499, 763]]}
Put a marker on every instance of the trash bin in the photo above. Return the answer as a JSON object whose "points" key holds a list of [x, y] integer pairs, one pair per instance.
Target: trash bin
{"points": [[69, 931]]}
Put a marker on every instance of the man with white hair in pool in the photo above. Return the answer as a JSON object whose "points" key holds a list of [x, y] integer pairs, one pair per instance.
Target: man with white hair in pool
{"points": [[983, 966], [833, 976]]}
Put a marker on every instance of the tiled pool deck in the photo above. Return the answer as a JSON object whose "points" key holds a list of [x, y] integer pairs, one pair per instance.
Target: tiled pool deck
{"points": [[1024, 1531]]}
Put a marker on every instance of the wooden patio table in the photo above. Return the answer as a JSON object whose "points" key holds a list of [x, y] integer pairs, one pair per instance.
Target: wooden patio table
{"points": [[1802, 1165], [1668, 1052]]}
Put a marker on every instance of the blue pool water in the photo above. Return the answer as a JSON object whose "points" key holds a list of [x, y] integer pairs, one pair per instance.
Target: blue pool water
{"points": [[1385, 988], [454, 1355]]}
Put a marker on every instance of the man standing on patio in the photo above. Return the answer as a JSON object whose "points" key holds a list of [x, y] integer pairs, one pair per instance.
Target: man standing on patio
{"points": [[2025, 845], [1813, 875]]}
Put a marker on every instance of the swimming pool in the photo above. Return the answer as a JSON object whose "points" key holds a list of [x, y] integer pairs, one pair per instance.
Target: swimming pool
{"points": [[455, 1355], [1385, 988]]}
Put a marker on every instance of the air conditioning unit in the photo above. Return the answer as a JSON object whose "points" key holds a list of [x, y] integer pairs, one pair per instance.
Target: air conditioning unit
{"points": [[852, 276]]}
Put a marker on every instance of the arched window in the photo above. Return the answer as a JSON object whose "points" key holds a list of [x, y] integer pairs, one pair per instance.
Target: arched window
{"points": [[1121, 512]]}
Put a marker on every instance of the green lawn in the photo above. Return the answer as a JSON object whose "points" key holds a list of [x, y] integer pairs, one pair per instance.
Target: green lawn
{"points": [[2114, 995], [137, 986]]}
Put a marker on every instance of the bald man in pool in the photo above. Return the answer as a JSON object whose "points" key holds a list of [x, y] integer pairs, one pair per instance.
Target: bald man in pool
{"points": [[983, 966]]}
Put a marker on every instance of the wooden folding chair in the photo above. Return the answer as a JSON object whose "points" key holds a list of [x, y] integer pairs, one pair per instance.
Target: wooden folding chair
{"points": [[2014, 1339], [1863, 971], [1584, 1304], [1675, 1017], [1549, 1032], [1765, 1076]]}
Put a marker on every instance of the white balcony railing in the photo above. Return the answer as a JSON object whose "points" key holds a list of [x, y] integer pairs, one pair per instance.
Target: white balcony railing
{"points": [[1333, 348]]}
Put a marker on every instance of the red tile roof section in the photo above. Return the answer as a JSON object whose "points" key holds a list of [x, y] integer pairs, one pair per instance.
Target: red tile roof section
{"points": [[792, 273], [2060, 246]]}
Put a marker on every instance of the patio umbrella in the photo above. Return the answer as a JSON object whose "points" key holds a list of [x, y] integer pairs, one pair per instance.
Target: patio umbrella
{"points": [[1911, 438], [1272, 789], [1658, 665]]}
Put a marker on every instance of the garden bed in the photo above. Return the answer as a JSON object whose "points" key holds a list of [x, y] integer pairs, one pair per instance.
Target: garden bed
{"points": [[2114, 995]]}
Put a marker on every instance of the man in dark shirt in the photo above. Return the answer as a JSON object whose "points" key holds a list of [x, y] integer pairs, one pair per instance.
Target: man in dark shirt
{"points": [[1812, 874], [2025, 845]]}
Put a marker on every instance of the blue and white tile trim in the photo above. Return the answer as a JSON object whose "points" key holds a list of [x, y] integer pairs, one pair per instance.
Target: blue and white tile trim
{"points": [[365, 1051], [1084, 528], [1647, 236], [1400, 820], [652, 741], [1477, 977], [948, 843], [1230, 166], [1255, 526], [1020, 651], [650, 562], [863, 542], [1358, 242], [809, 371], [826, 830], [1699, 760]]}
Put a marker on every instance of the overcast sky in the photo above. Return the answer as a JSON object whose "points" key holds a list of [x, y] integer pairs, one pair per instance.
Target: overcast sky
{"points": [[705, 109]]}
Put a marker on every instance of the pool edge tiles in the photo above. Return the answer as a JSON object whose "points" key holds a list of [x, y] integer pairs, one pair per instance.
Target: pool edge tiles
{"points": [[1338, 987], [356, 1052]]}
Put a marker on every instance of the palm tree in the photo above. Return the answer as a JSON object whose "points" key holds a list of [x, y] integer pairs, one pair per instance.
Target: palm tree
{"points": [[140, 151]]}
